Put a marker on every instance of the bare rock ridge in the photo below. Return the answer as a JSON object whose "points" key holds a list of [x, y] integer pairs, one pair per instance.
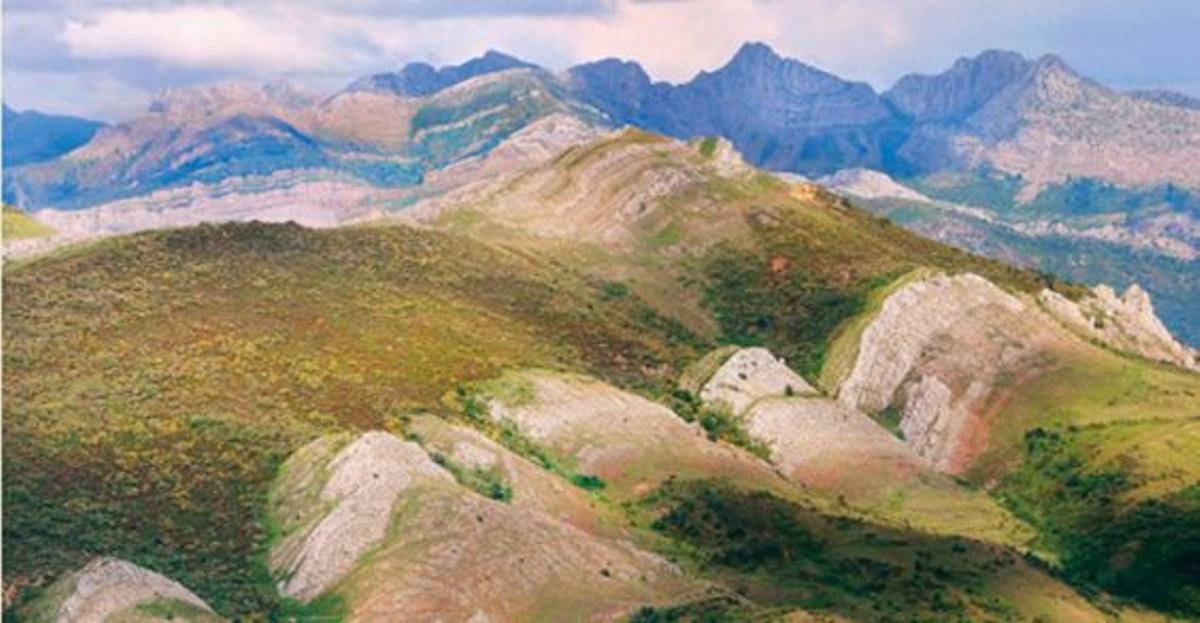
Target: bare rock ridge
{"points": [[751, 374], [380, 523], [1126, 323], [109, 589], [833, 448], [936, 349], [632, 443], [325, 536], [940, 348]]}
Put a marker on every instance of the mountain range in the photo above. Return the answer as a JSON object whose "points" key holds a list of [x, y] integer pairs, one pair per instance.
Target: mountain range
{"points": [[638, 380], [490, 343], [1095, 184]]}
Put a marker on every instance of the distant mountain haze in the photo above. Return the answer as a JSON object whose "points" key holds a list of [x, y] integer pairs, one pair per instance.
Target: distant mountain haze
{"points": [[1029, 142], [31, 136]]}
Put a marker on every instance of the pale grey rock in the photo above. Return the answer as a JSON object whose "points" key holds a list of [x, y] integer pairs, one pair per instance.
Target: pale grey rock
{"points": [[939, 349], [870, 184], [352, 510], [1126, 323], [107, 588], [749, 375], [818, 441], [906, 324], [928, 414]]}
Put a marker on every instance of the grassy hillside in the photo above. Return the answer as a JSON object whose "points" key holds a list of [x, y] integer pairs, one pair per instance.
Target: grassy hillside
{"points": [[153, 383], [17, 225], [739, 255]]}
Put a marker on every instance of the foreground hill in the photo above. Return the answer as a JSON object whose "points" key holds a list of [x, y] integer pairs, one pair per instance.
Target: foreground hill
{"points": [[246, 408]]}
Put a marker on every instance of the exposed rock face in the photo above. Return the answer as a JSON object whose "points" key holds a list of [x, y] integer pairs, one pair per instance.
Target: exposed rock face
{"points": [[439, 551], [1126, 323], [457, 556], [109, 589], [939, 347], [596, 192], [33, 137], [780, 113], [906, 325], [1041, 120], [632, 443], [830, 447], [749, 375], [870, 184], [956, 94], [533, 487], [327, 533], [820, 442]]}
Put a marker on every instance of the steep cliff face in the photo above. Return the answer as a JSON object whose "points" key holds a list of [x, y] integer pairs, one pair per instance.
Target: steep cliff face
{"points": [[940, 347], [31, 136], [1042, 121]]}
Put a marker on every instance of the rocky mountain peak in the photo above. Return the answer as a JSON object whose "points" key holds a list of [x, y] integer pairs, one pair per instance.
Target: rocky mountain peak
{"points": [[758, 66], [960, 91], [420, 79]]}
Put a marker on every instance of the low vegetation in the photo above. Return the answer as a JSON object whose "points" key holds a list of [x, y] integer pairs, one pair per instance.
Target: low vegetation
{"points": [[779, 554], [718, 423], [1147, 551], [486, 481], [154, 383]]}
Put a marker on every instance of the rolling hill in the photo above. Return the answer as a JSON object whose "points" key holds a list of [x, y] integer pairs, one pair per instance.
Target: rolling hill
{"points": [[534, 363]]}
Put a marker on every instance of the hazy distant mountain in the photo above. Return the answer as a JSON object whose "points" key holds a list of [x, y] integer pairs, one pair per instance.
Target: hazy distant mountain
{"points": [[420, 79], [780, 113], [1163, 96], [1042, 121], [31, 136], [240, 136]]}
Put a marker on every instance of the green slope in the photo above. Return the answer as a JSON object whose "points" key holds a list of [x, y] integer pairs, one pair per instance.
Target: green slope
{"points": [[153, 382], [18, 225]]}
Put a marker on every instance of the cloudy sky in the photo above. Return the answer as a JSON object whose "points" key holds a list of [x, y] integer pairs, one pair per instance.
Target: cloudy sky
{"points": [[106, 58]]}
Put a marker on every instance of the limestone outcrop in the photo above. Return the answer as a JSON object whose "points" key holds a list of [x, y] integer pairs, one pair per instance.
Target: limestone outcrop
{"points": [[938, 348], [749, 375], [820, 442], [377, 521], [1126, 323], [632, 443], [334, 512], [110, 589]]}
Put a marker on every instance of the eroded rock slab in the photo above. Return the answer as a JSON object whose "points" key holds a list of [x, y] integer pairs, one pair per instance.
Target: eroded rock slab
{"points": [[110, 589], [336, 509], [1127, 323], [631, 442], [820, 442], [939, 349], [376, 521], [751, 374]]}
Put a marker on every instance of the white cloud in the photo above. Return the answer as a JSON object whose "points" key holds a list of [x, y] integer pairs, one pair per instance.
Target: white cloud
{"points": [[149, 44], [199, 36]]}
